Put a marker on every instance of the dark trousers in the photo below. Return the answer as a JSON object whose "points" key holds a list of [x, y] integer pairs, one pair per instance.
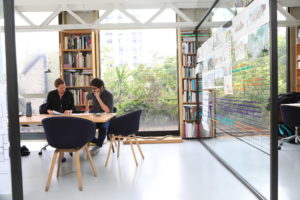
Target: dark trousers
{"points": [[102, 130]]}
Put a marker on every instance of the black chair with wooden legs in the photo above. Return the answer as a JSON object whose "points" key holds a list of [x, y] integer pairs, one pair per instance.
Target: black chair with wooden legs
{"points": [[69, 134], [124, 128]]}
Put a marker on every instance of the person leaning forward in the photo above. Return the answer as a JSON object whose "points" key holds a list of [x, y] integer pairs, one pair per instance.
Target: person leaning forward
{"points": [[102, 101], [60, 100]]}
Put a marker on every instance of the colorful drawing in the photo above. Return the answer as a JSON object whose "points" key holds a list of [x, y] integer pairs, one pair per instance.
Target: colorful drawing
{"points": [[258, 42], [240, 48]]}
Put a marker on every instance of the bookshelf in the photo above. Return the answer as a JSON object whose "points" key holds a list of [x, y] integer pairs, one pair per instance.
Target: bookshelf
{"points": [[78, 62], [187, 51], [298, 58]]}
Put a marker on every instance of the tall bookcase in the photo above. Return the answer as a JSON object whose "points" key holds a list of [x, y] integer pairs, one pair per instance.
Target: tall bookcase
{"points": [[187, 50], [78, 62]]}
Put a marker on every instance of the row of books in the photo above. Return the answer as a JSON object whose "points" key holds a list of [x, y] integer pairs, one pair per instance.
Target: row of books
{"points": [[79, 95], [188, 72], [78, 60], [189, 84], [190, 112], [189, 97], [190, 130], [77, 78], [189, 47], [78, 42], [188, 60]]}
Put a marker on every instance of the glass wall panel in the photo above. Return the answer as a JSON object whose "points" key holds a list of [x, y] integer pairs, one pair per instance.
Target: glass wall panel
{"points": [[235, 65]]}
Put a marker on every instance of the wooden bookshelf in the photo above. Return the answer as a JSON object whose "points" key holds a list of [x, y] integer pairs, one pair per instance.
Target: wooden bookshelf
{"points": [[78, 62], [187, 52]]}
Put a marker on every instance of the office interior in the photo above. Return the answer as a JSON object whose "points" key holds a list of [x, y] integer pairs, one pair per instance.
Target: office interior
{"points": [[206, 74]]}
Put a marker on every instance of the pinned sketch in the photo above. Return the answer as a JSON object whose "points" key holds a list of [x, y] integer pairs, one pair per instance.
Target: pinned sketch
{"points": [[205, 111], [221, 37], [240, 48], [199, 67], [258, 14], [228, 88], [239, 25], [219, 77], [258, 42], [208, 80], [228, 60]]}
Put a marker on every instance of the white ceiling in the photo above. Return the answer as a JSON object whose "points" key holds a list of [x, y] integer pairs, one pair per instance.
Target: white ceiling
{"points": [[51, 5], [71, 6]]}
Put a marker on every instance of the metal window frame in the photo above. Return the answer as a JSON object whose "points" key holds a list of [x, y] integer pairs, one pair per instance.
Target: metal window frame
{"points": [[12, 100]]}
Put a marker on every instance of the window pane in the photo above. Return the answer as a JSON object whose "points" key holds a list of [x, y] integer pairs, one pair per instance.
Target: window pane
{"points": [[142, 74]]}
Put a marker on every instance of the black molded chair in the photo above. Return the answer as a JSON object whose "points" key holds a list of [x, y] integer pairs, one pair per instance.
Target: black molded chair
{"points": [[125, 127], [290, 117], [43, 110], [69, 134]]}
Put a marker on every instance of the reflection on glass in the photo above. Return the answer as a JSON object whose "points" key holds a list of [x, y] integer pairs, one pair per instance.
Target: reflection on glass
{"points": [[239, 75]]}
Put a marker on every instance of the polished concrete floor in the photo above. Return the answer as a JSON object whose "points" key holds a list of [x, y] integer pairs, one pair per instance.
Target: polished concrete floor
{"points": [[254, 165], [183, 171]]}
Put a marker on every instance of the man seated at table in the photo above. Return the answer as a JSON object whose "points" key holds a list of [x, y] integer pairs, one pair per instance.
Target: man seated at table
{"points": [[60, 100], [102, 101]]}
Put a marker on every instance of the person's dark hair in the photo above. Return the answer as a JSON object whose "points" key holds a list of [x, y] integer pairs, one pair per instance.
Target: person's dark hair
{"points": [[97, 82], [58, 82]]}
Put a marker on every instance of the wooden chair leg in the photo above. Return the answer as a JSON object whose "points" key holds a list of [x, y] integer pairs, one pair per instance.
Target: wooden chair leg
{"points": [[112, 148], [109, 150], [138, 145], [91, 161], [130, 141], [118, 147], [78, 170], [51, 170], [58, 163]]}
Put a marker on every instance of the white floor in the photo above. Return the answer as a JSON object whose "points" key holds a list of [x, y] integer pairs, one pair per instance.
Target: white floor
{"points": [[169, 172], [254, 165]]}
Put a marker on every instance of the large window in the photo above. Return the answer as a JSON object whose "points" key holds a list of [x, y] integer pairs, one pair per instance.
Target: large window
{"points": [[37, 61], [139, 67]]}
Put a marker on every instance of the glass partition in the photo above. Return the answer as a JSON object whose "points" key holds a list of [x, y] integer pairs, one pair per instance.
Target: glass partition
{"points": [[235, 64]]}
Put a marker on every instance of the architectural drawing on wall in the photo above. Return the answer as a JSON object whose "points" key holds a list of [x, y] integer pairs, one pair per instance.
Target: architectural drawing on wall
{"points": [[239, 25], [228, 89], [240, 48], [258, 14], [258, 42]]}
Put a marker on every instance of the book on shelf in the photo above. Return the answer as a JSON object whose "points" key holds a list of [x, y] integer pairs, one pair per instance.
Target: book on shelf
{"points": [[190, 112], [188, 73], [189, 47], [77, 78], [78, 42], [188, 60], [189, 84], [190, 130], [189, 97], [77, 60], [79, 96]]}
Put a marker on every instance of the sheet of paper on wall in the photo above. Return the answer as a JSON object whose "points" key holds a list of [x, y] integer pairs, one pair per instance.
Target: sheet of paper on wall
{"points": [[228, 88], [258, 14], [240, 25], [205, 113], [239, 48]]}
